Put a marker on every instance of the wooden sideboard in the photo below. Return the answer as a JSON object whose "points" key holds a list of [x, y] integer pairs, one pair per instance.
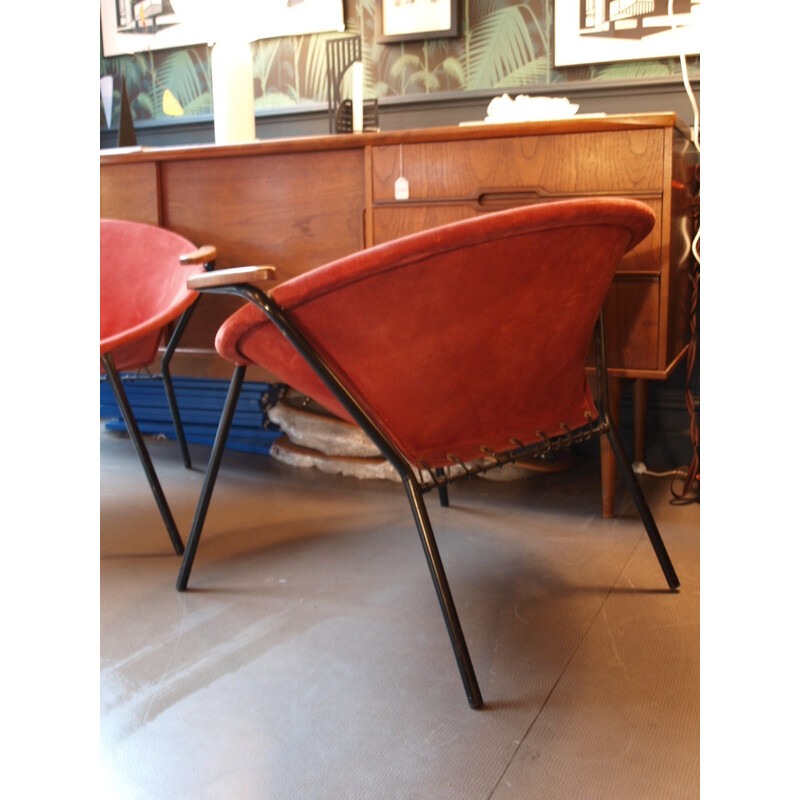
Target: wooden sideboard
{"points": [[298, 203]]}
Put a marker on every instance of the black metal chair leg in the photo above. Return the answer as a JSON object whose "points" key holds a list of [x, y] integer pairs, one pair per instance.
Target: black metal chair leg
{"points": [[211, 476], [444, 498], [631, 481], [628, 475], [144, 456], [286, 326], [183, 321], [443, 592]]}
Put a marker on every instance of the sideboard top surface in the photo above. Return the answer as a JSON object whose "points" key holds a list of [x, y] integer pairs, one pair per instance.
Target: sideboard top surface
{"points": [[577, 124]]}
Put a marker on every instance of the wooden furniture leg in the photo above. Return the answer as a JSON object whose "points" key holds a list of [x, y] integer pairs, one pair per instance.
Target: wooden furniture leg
{"points": [[640, 419], [608, 461]]}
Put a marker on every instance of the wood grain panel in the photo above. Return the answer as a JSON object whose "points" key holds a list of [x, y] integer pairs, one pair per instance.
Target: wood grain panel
{"points": [[392, 222], [294, 211], [631, 314], [131, 192], [580, 163]]}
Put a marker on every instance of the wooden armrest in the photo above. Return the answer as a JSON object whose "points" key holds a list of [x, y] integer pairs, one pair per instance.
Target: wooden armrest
{"points": [[202, 255], [232, 277]]}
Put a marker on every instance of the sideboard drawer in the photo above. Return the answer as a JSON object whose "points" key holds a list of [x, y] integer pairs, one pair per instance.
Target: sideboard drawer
{"points": [[391, 221], [484, 171]]}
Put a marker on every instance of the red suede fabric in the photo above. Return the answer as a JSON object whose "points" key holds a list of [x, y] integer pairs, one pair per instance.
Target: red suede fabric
{"points": [[461, 337], [142, 288]]}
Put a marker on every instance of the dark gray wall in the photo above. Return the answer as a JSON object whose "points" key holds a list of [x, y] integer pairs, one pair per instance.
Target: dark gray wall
{"points": [[447, 109]]}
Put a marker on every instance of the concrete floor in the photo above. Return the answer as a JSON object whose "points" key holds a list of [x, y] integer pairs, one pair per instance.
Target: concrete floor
{"points": [[309, 658]]}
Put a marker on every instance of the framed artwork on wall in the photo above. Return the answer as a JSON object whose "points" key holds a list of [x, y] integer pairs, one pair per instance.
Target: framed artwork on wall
{"points": [[601, 31], [131, 26], [412, 20]]}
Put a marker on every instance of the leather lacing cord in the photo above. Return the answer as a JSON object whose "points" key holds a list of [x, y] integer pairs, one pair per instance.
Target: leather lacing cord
{"points": [[520, 452]]}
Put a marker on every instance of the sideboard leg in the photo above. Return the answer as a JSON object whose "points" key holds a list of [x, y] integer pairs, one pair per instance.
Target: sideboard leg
{"points": [[640, 419], [608, 461]]}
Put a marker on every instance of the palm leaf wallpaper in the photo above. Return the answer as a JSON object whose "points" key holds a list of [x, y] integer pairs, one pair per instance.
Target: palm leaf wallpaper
{"points": [[505, 45]]}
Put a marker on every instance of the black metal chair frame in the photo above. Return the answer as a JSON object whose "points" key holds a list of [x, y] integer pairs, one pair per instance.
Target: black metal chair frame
{"points": [[132, 425], [416, 486]]}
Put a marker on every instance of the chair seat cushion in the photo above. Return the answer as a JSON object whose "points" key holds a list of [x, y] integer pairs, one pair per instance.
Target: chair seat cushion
{"points": [[142, 287]]}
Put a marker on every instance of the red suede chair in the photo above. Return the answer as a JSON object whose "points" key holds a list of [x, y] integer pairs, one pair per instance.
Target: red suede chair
{"points": [[143, 273], [456, 350]]}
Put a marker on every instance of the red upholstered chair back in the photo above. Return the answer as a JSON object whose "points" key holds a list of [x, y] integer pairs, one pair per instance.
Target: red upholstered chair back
{"points": [[461, 337], [142, 288]]}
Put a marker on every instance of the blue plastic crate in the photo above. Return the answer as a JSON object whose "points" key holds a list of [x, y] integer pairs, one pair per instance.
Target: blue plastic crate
{"points": [[200, 401]]}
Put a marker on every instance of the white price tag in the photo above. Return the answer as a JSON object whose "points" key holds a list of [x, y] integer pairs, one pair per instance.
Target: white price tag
{"points": [[401, 189]]}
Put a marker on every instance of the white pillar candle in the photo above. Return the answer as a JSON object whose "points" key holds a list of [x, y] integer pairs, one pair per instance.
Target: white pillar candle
{"points": [[232, 78], [357, 72]]}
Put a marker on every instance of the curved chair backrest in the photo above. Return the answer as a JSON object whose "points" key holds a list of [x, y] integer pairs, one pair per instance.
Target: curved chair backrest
{"points": [[142, 288], [461, 337]]}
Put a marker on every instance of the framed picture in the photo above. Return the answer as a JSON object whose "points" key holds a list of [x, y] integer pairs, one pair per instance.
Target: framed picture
{"points": [[410, 20], [601, 31]]}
